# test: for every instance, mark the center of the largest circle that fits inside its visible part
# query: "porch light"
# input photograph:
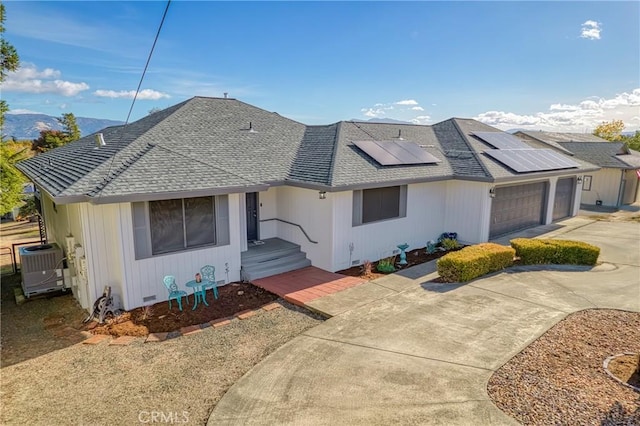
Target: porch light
(579, 180)
(492, 192)
(322, 195)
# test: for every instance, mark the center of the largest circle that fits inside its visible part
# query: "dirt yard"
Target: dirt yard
(48, 377)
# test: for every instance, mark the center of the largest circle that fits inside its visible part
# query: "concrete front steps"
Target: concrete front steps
(271, 257)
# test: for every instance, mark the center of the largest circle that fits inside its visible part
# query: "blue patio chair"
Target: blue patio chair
(208, 273)
(174, 292)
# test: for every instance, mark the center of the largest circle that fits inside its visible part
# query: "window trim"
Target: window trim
(358, 205)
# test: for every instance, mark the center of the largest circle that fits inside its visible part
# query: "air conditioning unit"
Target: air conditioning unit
(41, 268)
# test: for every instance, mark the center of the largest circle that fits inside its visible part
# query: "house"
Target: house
(217, 181)
(615, 184)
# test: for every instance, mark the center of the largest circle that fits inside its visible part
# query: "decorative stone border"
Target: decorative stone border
(605, 365)
(185, 331)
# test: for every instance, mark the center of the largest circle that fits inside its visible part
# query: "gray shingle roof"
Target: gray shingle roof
(463, 158)
(314, 157)
(561, 137)
(496, 169)
(353, 167)
(603, 154)
(212, 146)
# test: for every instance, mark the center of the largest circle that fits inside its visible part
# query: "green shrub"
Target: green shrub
(558, 252)
(386, 265)
(474, 261)
(450, 244)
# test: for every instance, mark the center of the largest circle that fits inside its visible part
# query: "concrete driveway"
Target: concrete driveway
(424, 355)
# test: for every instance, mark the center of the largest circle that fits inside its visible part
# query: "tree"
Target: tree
(632, 142)
(9, 61)
(610, 130)
(69, 126)
(49, 139)
(11, 179)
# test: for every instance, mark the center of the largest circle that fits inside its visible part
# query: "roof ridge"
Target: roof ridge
(475, 154)
(121, 136)
(122, 167)
(334, 151)
(269, 112)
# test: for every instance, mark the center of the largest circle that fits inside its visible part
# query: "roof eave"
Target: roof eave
(552, 173)
(155, 196)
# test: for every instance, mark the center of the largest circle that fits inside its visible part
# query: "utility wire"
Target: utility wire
(133, 102)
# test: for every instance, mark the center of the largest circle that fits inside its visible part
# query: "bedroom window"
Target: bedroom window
(168, 226)
(373, 205)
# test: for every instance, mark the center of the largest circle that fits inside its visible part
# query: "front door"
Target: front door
(252, 216)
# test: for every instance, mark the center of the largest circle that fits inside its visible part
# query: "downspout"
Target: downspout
(621, 189)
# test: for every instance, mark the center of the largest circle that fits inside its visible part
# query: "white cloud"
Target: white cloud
(373, 112)
(421, 119)
(28, 79)
(146, 94)
(22, 111)
(581, 117)
(403, 110)
(591, 30)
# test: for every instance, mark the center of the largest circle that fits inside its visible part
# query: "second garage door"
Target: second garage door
(517, 207)
(564, 198)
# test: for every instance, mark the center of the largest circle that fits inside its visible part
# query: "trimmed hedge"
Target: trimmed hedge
(474, 261)
(558, 252)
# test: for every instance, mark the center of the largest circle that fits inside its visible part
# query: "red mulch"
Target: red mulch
(232, 298)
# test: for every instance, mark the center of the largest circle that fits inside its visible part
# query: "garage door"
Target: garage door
(517, 207)
(564, 198)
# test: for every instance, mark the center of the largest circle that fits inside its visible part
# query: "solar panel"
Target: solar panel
(531, 160)
(501, 140)
(394, 153)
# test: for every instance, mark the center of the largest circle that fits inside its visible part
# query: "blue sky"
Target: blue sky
(563, 66)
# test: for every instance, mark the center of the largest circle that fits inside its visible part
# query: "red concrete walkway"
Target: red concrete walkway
(307, 284)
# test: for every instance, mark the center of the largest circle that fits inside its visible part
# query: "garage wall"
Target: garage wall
(630, 187)
(605, 186)
(468, 207)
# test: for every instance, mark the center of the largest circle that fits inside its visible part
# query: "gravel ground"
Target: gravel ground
(181, 378)
(559, 379)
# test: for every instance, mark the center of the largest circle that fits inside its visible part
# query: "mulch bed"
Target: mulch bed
(560, 378)
(232, 299)
(414, 257)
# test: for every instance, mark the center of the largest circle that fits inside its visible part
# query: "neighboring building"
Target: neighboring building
(198, 183)
(616, 183)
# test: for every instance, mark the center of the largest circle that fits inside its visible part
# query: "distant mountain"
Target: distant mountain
(381, 120)
(28, 126)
